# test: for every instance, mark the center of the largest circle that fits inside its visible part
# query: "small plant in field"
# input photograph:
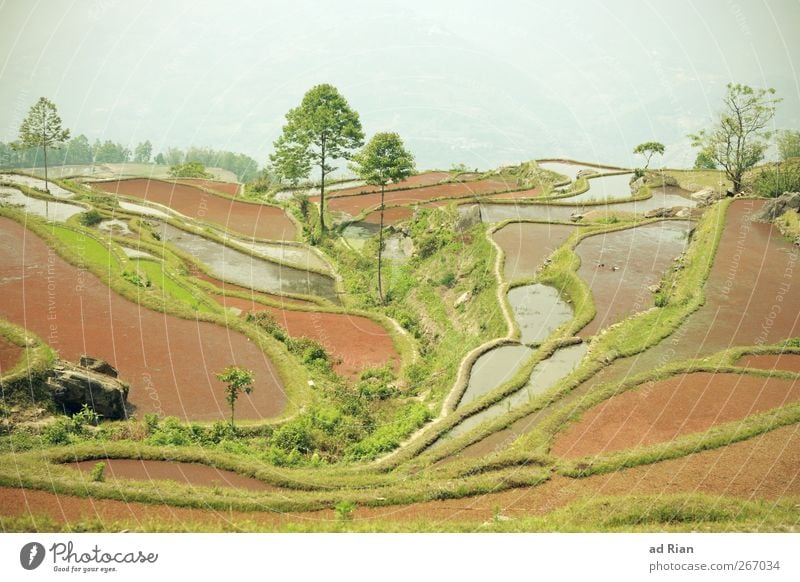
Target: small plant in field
(344, 510)
(237, 380)
(98, 473)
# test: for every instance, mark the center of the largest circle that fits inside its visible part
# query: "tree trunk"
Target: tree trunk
(322, 193)
(46, 188)
(44, 144)
(232, 416)
(380, 249)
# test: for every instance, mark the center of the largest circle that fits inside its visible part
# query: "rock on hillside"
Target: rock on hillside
(778, 206)
(93, 383)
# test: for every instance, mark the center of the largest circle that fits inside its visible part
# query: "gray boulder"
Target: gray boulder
(468, 218)
(73, 386)
(778, 206)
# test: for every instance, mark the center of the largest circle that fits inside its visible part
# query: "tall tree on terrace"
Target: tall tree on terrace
(42, 129)
(322, 129)
(384, 159)
(737, 141)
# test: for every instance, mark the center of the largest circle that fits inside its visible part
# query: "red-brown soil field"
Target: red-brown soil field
(353, 205)
(229, 188)
(664, 410)
(251, 220)
(187, 473)
(169, 362)
(789, 362)
(424, 179)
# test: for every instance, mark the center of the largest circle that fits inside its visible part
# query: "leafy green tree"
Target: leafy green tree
(143, 152)
(42, 129)
(384, 159)
(704, 162)
(789, 144)
(322, 129)
(737, 140)
(160, 160)
(648, 149)
(237, 380)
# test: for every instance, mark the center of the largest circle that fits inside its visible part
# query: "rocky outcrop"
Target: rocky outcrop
(94, 384)
(706, 196)
(98, 365)
(468, 218)
(776, 207)
(663, 212)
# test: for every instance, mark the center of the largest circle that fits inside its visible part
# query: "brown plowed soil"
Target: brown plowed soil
(251, 220)
(620, 266)
(229, 188)
(9, 355)
(188, 473)
(355, 343)
(764, 467)
(426, 179)
(169, 362)
(390, 215)
(680, 405)
(789, 362)
(527, 245)
(353, 205)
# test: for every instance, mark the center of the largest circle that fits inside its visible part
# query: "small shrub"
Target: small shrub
(344, 510)
(136, 279)
(97, 474)
(90, 218)
(448, 280)
(151, 421)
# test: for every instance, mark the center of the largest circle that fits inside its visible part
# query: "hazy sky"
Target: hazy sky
(478, 82)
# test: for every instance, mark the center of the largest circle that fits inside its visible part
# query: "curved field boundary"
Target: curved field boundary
(400, 337)
(293, 376)
(591, 164)
(210, 231)
(603, 347)
(698, 401)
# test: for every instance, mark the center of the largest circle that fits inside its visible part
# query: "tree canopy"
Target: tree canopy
(321, 129)
(738, 139)
(648, 149)
(384, 159)
(237, 380)
(41, 128)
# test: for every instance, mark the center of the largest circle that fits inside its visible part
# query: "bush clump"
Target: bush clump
(90, 218)
(774, 180)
